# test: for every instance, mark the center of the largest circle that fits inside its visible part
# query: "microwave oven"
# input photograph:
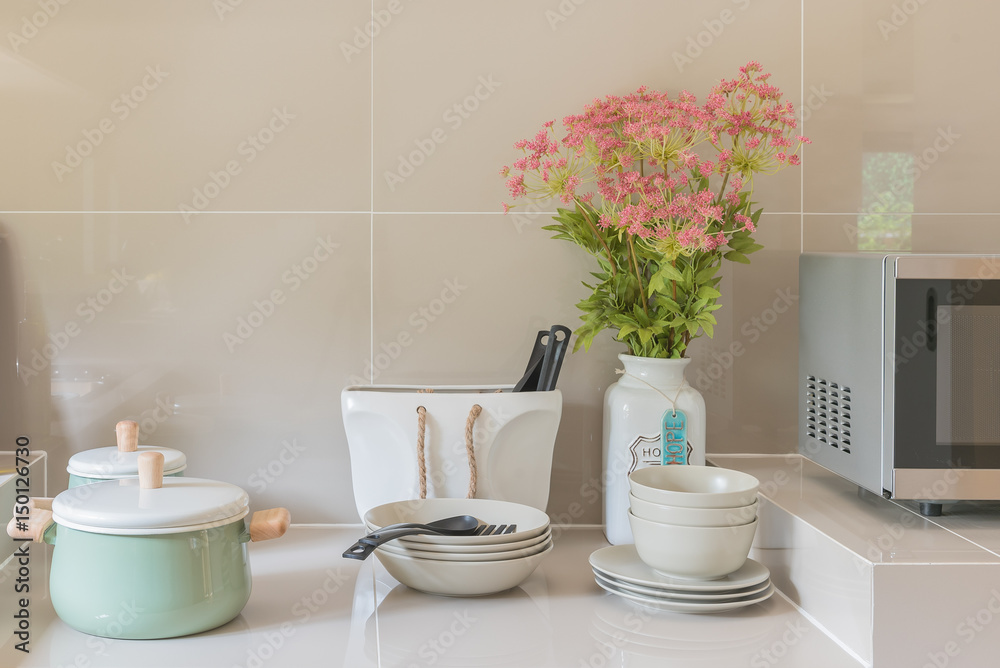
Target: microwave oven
(899, 373)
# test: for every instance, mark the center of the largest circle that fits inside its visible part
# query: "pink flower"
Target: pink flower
(641, 160)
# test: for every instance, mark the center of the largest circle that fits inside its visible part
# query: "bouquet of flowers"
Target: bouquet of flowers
(659, 191)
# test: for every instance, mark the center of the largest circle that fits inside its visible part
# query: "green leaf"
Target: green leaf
(705, 274)
(667, 304)
(708, 292)
(670, 272)
(625, 330)
(656, 283)
(736, 256)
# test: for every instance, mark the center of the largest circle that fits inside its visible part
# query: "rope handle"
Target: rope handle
(470, 451)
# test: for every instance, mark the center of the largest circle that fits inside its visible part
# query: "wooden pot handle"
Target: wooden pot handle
(150, 470)
(268, 524)
(35, 503)
(32, 529)
(40, 503)
(128, 435)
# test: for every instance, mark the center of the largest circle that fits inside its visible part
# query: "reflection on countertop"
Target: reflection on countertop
(310, 607)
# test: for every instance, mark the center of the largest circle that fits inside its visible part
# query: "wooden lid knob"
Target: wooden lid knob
(151, 470)
(128, 435)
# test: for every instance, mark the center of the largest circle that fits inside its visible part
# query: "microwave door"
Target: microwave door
(947, 374)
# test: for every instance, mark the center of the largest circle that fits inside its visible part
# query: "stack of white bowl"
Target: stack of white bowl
(694, 522)
(462, 565)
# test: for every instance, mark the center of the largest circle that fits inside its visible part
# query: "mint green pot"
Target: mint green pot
(77, 480)
(152, 586)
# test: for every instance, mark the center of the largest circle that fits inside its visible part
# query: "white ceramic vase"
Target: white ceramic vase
(638, 416)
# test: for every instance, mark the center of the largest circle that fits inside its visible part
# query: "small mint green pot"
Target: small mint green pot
(155, 586)
(77, 480)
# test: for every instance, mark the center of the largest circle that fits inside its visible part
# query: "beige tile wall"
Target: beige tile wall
(270, 162)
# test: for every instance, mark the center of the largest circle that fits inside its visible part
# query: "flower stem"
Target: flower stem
(722, 190)
(638, 274)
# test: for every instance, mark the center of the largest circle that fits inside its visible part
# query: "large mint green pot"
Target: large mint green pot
(150, 557)
(156, 586)
(77, 480)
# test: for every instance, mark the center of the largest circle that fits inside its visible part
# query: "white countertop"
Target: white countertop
(311, 607)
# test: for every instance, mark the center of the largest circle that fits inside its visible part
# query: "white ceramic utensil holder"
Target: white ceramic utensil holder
(513, 438)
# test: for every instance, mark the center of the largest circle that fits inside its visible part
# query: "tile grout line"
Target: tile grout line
(951, 214)
(371, 215)
(802, 106)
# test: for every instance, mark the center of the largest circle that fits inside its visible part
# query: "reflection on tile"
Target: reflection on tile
(880, 69)
(961, 633)
(228, 339)
(299, 613)
(747, 371)
(443, 317)
(407, 622)
(926, 233)
(631, 635)
(117, 105)
(956, 234)
(441, 118)
(560, 617)
(837, 233)
(306, 610)
(977, 521)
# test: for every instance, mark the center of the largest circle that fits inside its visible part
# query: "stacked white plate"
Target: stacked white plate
(462, 565)
(619, 570)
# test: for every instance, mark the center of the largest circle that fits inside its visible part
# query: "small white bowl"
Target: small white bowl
(460, 578)
(692, 517)
(522, 553)
(530, 522)
(694, 486)
(693, 553)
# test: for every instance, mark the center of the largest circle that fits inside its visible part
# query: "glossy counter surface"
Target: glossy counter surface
(311, 607)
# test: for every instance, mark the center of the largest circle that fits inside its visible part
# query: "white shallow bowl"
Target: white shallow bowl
(496, 553)
(695, 553)
(464, 549)
(465, 556)
(692, 517)
(530, 522)
(694, 486)
(460, 578)
(467, 549)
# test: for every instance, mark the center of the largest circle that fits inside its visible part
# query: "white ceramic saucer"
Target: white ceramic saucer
(622, 562)
(684, 606)
(693, 597)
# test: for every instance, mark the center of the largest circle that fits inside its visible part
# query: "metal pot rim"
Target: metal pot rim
(158, 531)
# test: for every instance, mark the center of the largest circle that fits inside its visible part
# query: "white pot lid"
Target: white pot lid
(120, 507)
(110, 463)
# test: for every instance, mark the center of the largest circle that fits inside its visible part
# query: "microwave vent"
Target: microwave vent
(828, 413)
